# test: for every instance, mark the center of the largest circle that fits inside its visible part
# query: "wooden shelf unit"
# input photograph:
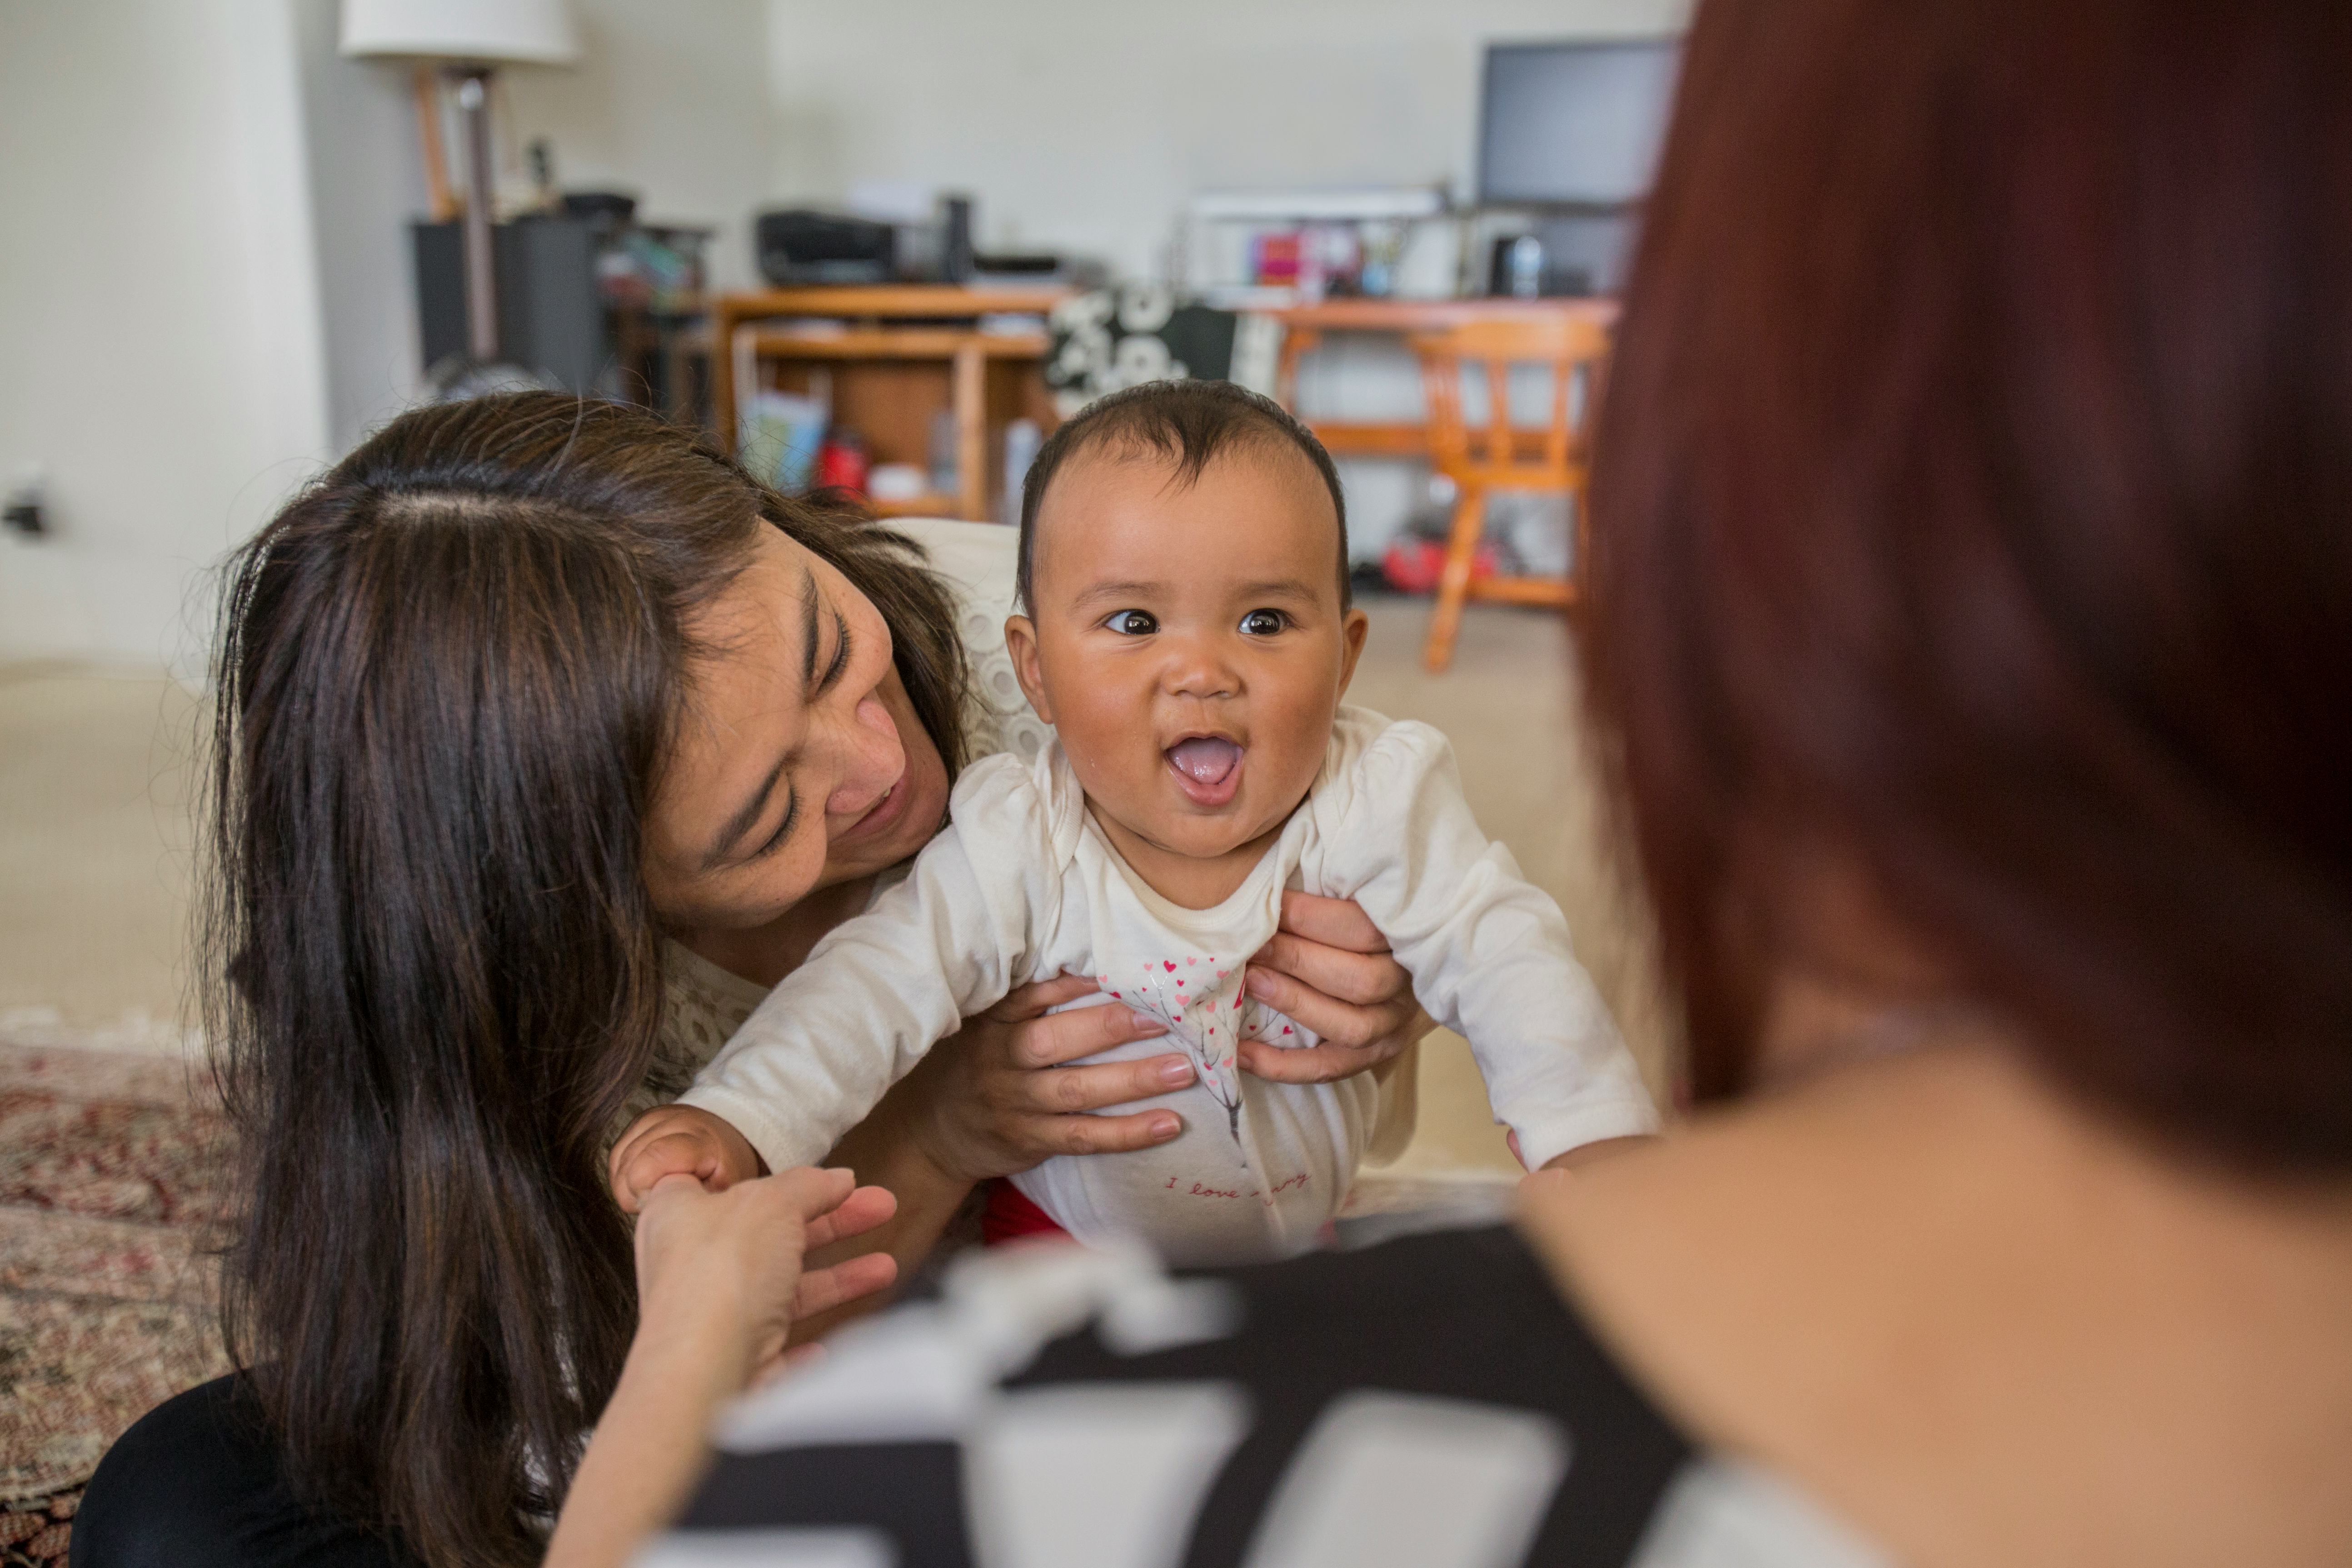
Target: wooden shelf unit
(906, 353)
(897, 342)
(931, 503)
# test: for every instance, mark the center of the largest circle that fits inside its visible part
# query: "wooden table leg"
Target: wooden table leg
(1296, 341)
(438, 200)
(723, 321)
(971, 401)
(1454, 584)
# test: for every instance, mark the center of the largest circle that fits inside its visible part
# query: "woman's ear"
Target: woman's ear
(1021, 642)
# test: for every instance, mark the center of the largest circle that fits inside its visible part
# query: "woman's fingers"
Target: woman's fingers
(810, 1190)
(1338, 1021)
(1025, 1002)
(860, 1212)
(1329, 968)
(675, 1186)
(1312, 1064)
(1059, 1037)
(1064, 1091)
(998, 1097)
(1363, 979)
(1333, 922)
(1050, 1135)
(823, 1290)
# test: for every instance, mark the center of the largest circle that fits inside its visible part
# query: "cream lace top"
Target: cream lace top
(705, 1003)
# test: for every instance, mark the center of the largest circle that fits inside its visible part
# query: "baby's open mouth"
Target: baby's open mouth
(1207, 767)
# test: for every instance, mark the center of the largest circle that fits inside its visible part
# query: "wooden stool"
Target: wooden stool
(1554, 456)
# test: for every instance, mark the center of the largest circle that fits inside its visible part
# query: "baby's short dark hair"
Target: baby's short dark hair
(1186, 422)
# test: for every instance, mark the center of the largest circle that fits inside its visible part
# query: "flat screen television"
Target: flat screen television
(1573, 124)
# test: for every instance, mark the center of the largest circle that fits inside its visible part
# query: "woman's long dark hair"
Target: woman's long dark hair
(1974, 500)
(449, 673)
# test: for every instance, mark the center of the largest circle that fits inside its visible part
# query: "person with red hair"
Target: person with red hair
(1972, 633)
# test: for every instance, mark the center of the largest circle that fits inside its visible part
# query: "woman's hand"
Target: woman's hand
(1328, 967)
(996, 1098)
(719, 1283)
(729, 1262)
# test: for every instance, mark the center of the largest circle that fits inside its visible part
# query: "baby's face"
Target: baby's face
(1188, 642)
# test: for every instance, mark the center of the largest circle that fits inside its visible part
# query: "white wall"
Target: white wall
(1084, 124)
(366, 183)
(160, 346)
(669, 101)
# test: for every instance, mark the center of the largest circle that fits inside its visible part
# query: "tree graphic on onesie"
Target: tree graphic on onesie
(1201, 1000)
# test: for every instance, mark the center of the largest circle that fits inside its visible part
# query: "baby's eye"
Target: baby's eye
(1264, 623)
(1132, 623)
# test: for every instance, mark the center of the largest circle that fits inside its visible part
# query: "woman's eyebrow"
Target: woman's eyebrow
(808, 635)
(746, 816)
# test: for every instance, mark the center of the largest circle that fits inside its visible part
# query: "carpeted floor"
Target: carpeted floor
(112, 1170)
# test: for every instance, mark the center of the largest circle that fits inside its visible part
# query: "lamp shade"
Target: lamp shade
(476, 32)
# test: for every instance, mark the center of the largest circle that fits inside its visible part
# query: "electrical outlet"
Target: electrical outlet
(25, 511)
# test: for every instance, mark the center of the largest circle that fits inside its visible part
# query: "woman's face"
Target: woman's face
(799, 762)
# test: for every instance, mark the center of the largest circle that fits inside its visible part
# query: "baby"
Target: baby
(1184, 564)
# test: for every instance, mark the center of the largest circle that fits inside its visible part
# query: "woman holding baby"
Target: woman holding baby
(548, 740)
(1973, 619)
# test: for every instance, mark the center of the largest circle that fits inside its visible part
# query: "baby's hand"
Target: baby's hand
(680, 1141)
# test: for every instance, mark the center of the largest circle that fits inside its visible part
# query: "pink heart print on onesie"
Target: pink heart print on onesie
(1201, 1000)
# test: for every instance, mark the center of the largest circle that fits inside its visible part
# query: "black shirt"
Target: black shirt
(1433, 1394)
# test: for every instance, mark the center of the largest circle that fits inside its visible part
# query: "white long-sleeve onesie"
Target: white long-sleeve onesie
(1023, 886)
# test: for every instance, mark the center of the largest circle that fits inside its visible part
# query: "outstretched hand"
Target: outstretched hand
(734, 1257)
(719, 1281)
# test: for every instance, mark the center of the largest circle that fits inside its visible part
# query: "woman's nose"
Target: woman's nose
(871, 759)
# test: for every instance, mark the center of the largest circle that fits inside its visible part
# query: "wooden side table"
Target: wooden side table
(904, 352)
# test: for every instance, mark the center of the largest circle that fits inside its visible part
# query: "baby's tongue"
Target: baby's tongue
(1207, 760)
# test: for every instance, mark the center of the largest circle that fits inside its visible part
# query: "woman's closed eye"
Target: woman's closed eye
(1132, 623)
(783, 832)
(841, 650)
(1264, 623)
(825, 681)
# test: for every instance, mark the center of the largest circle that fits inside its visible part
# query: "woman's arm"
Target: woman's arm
(720, 1282)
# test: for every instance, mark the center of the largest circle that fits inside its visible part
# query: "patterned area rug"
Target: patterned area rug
(112, 1171)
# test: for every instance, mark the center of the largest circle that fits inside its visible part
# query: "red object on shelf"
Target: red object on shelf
(1276, 258)
(842, 462)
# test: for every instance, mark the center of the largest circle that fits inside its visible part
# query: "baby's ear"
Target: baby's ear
(1021, 642)
(1353, 630)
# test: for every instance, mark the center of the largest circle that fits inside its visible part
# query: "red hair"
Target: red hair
(1975, 499)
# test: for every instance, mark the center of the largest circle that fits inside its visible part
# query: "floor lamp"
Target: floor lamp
(467, 41)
